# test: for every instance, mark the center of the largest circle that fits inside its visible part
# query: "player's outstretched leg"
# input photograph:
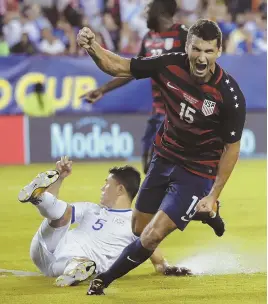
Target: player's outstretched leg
(77, 270)
(216, 222)
(32, 191)
(136, 253)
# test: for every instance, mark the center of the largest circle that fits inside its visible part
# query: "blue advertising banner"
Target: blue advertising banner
(66, 78)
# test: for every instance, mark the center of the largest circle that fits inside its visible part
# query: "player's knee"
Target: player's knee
(151, 237)
(64, 220)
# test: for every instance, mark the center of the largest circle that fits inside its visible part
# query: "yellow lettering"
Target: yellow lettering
(6, 93)
(66, 94)
(82, 85)
(24, 83)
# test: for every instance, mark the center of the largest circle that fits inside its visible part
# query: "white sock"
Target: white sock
(51, 207)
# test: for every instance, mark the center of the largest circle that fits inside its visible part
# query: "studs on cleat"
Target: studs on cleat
(39, 185)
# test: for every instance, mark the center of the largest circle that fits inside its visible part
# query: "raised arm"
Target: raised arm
(117, 66)
(107, 61)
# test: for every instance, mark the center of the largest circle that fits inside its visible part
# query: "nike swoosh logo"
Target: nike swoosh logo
(185, 219)
(171, 86)
(132, 260)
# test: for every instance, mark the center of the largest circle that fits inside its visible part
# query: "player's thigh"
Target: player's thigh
(154, 187)
(48, 237)
(139, 221)
(182, 197)
(159, 227)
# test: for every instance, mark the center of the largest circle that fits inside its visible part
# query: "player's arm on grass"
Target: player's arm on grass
(233, 115)
(159, 262)
(161, 265)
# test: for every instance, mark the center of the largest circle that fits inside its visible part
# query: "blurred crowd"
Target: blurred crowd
(50, 26)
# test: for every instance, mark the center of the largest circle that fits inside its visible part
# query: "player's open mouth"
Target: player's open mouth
(200, 67)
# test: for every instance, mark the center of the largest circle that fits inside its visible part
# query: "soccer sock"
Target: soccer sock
(50, 207)
(131, 257)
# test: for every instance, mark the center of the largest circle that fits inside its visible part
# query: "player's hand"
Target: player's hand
(85, 38)
(92, 96)
(64, 166)
(177, 271)
(206, 205)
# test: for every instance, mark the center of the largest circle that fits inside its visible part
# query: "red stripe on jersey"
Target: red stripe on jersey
(207, 141)
(211, 163)
(171, 153)
(177, 43)
(178, 91)
(170, 33)
(170, 140)
(220, 76)
(181, 73)
(200, 174)
(214, 92)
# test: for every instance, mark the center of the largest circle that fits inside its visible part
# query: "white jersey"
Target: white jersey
(101, 234)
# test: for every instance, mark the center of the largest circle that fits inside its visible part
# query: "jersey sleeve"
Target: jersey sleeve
(234, 111)
(146, 67)
(80, 209)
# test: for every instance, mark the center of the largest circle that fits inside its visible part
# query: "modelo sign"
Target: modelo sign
(85, 138)
(104, 140)
(113, 137)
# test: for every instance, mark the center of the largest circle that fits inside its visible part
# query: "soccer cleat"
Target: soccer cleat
(32, 191)
(96, 287)
(216, 222)
(77, 270)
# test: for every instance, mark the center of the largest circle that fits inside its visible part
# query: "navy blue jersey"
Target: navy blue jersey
(200, 118)
(155, 44)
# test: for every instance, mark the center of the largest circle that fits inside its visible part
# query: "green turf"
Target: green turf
(244, 244)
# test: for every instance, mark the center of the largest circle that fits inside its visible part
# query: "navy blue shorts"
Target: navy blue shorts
(153, 124)
(172, 189)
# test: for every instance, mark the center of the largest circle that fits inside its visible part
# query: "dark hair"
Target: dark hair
(207, 30)
(129, 177)
(167, 6)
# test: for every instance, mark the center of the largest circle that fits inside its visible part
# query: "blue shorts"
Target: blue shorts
(153, 124)
(172, 189)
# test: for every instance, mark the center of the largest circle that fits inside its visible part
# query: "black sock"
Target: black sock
(131, 257)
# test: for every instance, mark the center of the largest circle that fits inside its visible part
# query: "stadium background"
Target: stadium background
(99, 136)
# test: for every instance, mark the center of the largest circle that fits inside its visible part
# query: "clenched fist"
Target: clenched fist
(85, 38)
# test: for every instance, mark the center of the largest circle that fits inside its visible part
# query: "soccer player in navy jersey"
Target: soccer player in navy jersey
(196, 148)
(164, 36)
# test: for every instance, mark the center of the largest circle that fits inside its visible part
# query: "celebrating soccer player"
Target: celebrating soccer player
(164, 36)
(196, 148)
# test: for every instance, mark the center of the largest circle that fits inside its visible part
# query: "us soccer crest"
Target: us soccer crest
(169, 43)
(208, 107)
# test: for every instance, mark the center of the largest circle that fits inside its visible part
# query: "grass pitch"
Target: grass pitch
(234, 266)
